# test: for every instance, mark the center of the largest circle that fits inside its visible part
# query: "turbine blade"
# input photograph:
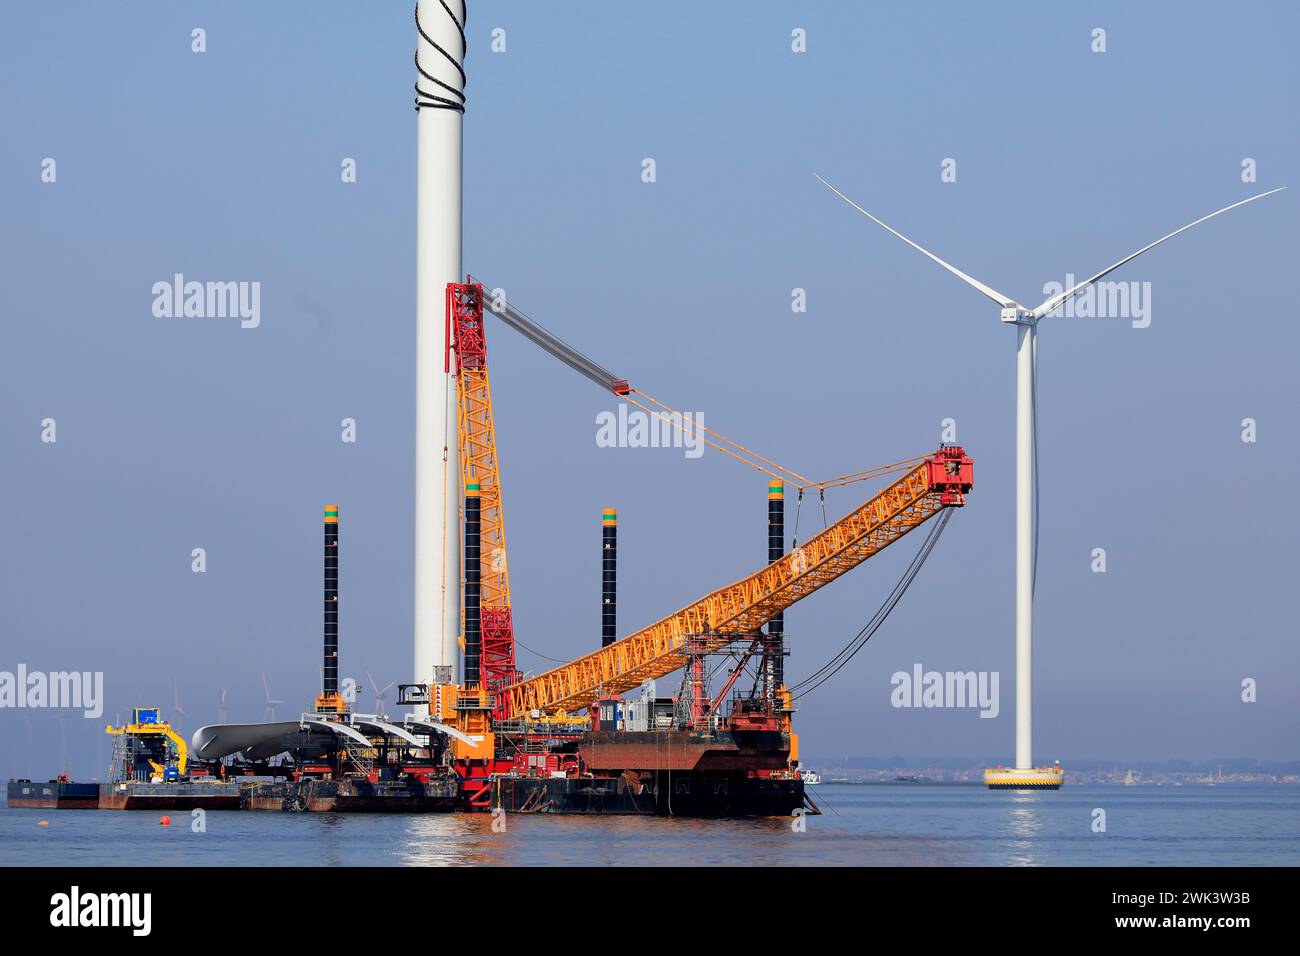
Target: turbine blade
(1062, 297)
(993, 294)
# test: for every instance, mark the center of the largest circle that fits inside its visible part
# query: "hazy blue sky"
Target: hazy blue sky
(182, 433)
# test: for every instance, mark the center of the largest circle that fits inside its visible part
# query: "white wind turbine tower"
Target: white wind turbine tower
(176, 700)
(271, 704)
(1026, 322)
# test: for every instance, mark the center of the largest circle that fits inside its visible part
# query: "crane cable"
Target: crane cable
(552, 344)
(544, 657)
(850, 650)
(756, 461)
(673, 415)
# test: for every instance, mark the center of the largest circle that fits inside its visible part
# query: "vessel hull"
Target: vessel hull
(53, 795)
(355, 796)
(658, 794)
(169, 796)
(721, 752)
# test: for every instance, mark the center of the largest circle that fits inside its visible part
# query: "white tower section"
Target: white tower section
(440, 82)
(1025, 451)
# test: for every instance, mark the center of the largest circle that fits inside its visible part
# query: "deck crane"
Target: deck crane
(467, 343)
(736, 612)
(728, 615)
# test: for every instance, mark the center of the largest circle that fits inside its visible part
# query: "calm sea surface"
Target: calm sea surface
(883, 825)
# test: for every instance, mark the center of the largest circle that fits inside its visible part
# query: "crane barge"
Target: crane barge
(570, 739)
(591, 735)
(480, 734)
(567, 740)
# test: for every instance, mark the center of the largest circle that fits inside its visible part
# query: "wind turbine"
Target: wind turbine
(176, 699)
(1026, 323)
(63, 748)
(223, 712)
(269, 716)
(378, 691)
(27, 722)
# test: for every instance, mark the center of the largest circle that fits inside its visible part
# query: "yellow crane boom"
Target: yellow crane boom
(737, 611)
(467, 341)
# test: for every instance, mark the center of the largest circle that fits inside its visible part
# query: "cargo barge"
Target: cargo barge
(441, 795)
(60, 794)
(660, 794)
(145, 795)
(567, 742)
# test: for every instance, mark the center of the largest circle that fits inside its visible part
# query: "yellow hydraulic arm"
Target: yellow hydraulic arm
(737, 611)
(140, 728)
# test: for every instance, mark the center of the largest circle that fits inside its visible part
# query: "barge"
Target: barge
(146, 795)
(659, 794)
(437, 795)
(60, 794)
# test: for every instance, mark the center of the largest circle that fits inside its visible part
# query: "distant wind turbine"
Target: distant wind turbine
(271, 704)
(27, 722)
(176, 700)
(64, 763)
(378, 691)
(1026, 322)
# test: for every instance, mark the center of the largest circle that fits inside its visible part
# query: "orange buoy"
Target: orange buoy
(43, 823)
(166, 821)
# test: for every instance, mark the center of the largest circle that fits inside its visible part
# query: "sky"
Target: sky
(997, 135)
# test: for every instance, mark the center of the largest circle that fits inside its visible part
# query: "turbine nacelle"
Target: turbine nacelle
(1018, 315)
